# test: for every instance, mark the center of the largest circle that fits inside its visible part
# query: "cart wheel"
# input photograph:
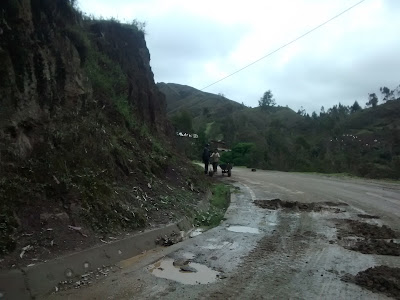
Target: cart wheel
(229, 173)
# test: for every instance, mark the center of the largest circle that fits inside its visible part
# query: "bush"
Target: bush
(218, 205)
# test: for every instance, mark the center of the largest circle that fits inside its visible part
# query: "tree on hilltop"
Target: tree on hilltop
(267, 100)
(355, 107)
(387, 94)
(372, 100)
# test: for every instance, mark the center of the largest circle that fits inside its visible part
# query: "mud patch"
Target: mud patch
(275, 204)
(376, 247)
(380, 279)
(365, 230)
(367, 216)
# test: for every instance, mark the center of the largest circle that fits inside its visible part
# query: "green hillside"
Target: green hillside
(364, 142)
(183, 97)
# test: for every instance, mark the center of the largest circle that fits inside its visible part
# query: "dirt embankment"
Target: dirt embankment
(85, 144)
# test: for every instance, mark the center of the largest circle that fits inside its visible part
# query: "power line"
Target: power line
(285, 45)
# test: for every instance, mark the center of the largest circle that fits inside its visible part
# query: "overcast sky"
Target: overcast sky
(198, 42)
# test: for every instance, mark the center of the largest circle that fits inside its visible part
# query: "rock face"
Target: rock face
(44, 47)
(81, 120)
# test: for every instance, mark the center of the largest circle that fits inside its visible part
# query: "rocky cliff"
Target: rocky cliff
(84, 137)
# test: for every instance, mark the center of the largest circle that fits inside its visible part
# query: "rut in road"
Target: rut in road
(269, 267)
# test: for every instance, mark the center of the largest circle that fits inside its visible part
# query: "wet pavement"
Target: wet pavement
(260, 253)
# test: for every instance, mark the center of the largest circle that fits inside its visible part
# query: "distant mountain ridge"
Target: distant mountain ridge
(183, 97)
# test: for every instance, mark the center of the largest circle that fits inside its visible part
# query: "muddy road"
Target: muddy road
(286, 235)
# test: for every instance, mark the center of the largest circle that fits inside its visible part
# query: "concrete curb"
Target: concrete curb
(28, 283)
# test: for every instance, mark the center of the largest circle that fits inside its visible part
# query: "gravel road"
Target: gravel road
(297, 247)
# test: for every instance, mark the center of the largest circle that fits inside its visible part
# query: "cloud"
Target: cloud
(197, 43)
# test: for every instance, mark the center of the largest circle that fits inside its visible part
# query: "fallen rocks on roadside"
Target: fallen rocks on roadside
(181, 262)
(187, 268)
(170, 240)
(85, 279)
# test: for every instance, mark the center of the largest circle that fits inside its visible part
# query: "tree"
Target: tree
(387, 93)
(182, 121)
(373, 100)
(302, 111)
(314, 115)
(267, 100)
(355, 107)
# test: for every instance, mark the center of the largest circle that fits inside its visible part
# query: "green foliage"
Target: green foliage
(387, 93)
(139, 26)
(241, 154)
(80, 40)
(182, 121)
(372, 100)
(218, 205)
(55, 9)
(267, 100)
(109, 81)
(355, 107)
(340, 139)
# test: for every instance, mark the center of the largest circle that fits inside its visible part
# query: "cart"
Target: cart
(226, 169)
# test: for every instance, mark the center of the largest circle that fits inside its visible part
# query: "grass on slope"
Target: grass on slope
(218, 205)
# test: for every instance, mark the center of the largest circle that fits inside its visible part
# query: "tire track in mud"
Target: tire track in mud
(269, 268)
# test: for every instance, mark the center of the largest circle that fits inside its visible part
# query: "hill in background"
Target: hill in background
(343, 139)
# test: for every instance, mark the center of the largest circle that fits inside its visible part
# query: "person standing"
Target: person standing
(215, 160)
(206, 158)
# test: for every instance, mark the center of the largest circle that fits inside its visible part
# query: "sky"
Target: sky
(197, 43)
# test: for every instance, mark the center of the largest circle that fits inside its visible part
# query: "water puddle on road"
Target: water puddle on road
(165, 269)
(243, 229)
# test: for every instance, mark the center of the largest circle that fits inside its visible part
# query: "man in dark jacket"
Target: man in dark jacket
(206, 158)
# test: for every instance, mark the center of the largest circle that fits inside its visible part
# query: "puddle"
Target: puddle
(165, 269)
(243, 229)
(196, 232)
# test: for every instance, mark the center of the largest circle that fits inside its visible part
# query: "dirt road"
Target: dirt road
(275, 249)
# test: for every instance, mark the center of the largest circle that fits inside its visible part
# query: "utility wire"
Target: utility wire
(285, 45)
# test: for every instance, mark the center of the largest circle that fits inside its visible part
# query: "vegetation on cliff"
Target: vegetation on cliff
(85, 143)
